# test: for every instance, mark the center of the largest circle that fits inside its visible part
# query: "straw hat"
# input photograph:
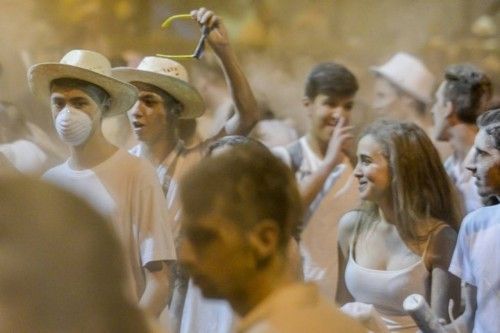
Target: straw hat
(88, 66)
(169, 76)
(409, 74)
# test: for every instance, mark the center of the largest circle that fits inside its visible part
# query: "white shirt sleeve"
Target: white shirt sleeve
(461, 265)
(156, 241)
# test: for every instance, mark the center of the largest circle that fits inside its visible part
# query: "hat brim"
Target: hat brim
(193, 105)
(123, 95)
(380, 71)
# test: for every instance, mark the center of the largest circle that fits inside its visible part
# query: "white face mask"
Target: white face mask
(73, 126)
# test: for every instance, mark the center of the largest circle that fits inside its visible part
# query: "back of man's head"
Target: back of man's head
(61, 266)
(469, 90)
(252, 185)
(330, 79)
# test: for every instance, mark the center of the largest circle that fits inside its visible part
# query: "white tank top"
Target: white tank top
(387, 289)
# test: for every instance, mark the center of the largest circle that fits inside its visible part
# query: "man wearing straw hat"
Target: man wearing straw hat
(165, 96)
(121, 187)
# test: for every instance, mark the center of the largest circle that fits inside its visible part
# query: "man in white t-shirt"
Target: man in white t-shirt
(477, 252)
(165, 97)
(119, 186)
(239, 210)
(460, 100)
(323, 171)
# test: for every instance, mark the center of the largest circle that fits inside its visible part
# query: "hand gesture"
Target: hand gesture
(339, 141)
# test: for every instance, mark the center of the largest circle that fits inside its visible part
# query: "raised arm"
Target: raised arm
(246, 111)
(313, 185)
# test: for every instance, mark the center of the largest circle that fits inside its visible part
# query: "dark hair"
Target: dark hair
(172, 105)
(468, 89)
(98, 94)
(233, 141)
(330, 78)
(248, 184)
(490, 122)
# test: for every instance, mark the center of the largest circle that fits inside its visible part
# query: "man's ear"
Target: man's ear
(264, 239)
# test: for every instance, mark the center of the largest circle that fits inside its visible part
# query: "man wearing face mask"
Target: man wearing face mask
(121, 187)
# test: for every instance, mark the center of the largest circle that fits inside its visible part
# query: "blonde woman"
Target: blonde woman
(401, 240)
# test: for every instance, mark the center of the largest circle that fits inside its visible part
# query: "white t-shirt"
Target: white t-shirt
(199, 314)
(318, 245)
(465, 184)
(476, 260)
(26, 156)
(125, 189)
(297, 308)
(202, 315)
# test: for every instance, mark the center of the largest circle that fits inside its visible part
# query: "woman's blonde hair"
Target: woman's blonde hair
(420, 187)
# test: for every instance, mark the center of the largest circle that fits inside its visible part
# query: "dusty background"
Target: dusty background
(278, 40)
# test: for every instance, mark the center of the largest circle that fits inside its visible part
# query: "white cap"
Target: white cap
(410, 75)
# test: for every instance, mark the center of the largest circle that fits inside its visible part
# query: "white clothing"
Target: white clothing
(387, 290)
(125, 189)
(464, 182)
(297, 308)
(202, 315)
(25, 156)
(318, 245)
(274, 132)
(476, 260)
(199, 314)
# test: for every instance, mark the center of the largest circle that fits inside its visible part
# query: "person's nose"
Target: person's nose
(357, 171)
(137, 110)
(470, 162)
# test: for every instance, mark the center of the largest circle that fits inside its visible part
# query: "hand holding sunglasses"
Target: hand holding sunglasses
(212, 30)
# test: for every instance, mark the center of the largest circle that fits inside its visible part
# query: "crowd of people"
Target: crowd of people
(220, 232)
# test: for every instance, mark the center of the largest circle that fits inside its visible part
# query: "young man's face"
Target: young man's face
(325, 112)
(440, 113)
(386, 100)
(485, 165)
(148, 117)
(216, 254)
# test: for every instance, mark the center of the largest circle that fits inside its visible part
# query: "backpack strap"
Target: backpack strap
(296, 155)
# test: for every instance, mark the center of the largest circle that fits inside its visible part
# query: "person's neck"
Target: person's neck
(462, 139)
(386, 211)
(319, 147)
(92, 153)
(424, 121)
(261, 286)
(157, 150)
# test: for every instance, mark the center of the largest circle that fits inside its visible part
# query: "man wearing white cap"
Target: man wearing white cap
(165, 96)
(121, 187)
(403, 89)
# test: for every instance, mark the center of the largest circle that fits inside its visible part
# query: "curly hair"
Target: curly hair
(469, 90)
(490, 121)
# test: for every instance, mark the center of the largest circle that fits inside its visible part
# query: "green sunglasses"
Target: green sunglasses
(200, 48)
